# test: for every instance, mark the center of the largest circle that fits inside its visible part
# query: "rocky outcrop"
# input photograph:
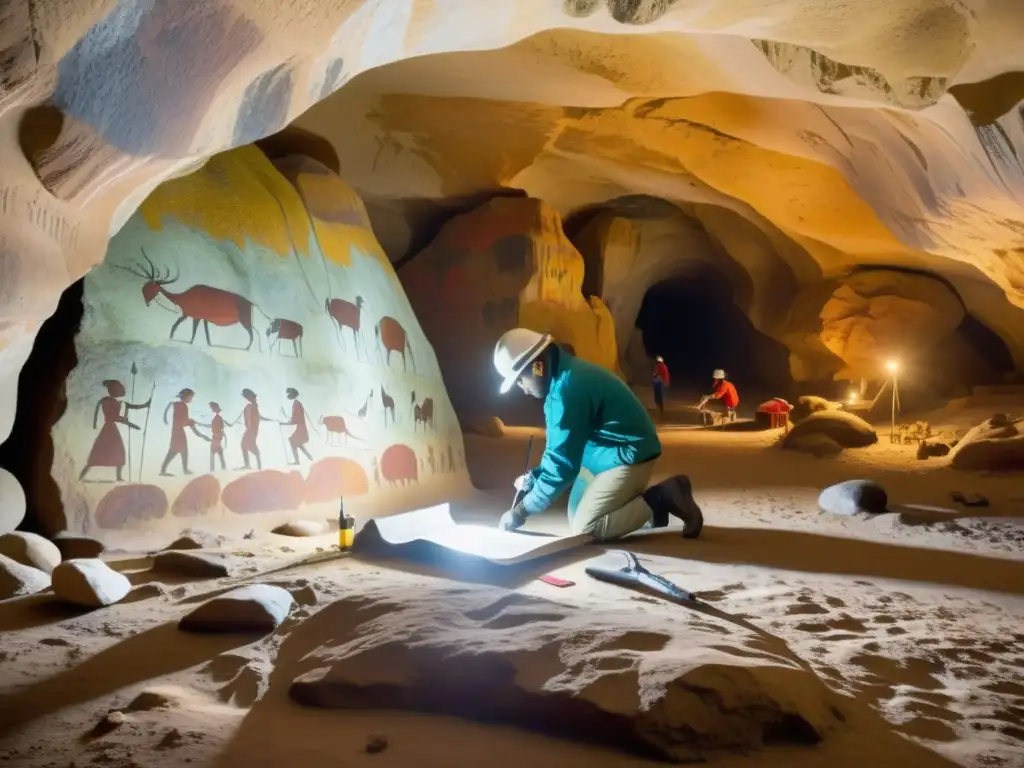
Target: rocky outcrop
(995, 445)
(505, 264)
(846, 429)
(491, 655)
(246, 347)
(876, 315)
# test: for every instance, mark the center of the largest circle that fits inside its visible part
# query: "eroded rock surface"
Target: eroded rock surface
(30, 549)
(17, 579)
(255, 608)
(846, 429)
(995, 445)
(491, 655)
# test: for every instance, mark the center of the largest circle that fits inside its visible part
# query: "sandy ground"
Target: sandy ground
(919, 614)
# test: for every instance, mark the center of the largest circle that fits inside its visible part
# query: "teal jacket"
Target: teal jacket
(593, 421)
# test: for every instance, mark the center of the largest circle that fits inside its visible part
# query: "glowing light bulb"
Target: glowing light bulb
(892, 366)
(853, 398)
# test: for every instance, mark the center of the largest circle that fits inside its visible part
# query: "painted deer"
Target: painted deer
(200, 303)
(346, 315)
(285, 330)
(336, 429)
(424, 413)
(366, 406)
(388, 403)
(391, 337)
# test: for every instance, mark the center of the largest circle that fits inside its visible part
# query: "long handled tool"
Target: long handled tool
(635, 576)
(519, 492)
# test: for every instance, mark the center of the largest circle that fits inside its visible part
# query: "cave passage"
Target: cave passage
(692, 321)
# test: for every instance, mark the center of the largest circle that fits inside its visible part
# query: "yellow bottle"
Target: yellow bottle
(346, 528)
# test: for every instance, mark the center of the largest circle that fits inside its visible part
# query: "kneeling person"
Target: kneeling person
(600, 441)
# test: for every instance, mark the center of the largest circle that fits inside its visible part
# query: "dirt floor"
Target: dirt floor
(919, 614)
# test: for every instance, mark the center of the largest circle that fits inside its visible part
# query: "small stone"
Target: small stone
(196, 539)
(90, 583)
(255, 608)
(854, 497)
(17, 579)
(190, 564)
(116, 717)
(31, 550)
(147, 701)
(170, 740)
(77, 547)
(300, 528)
(376, 743)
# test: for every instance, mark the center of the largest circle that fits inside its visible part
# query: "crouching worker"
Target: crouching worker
(600, 441)
(724, 391)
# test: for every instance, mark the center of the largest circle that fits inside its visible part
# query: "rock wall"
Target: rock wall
(505, 264)
(246, 350)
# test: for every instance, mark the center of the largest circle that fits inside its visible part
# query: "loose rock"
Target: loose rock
(926, 450)
(195, 539)
(90, 583)
(31, 550)
(995, 445)
(190, 564)
(17, 579)
(376, 743)
(256, 608)
(854, 497)
(12, 502)
(846, 429)
(300, 528)
(77, 547)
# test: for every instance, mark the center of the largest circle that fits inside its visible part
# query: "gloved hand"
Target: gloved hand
(703, 401)
(513, 519)
(523, 483)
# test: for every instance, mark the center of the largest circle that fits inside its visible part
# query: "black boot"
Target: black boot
(674, 497)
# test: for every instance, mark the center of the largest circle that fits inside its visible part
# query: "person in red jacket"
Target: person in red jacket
(724, 391)
(659, 381)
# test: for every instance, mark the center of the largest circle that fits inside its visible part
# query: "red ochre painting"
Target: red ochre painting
(246, 348)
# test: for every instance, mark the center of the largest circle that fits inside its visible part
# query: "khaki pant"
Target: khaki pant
(610, 505)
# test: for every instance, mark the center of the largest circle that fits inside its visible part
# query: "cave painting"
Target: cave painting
(108, 448)
(200, 303)
(300, 435)
(309, 416)
(282, 329)
(180, 421)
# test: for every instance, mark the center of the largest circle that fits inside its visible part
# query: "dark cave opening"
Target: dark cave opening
(692, 321)
(28, 451)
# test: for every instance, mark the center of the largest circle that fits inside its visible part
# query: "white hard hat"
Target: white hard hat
(718, 374)
(515, 351)
(660, 359)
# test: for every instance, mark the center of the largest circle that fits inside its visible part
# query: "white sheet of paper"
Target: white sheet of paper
(435, 524)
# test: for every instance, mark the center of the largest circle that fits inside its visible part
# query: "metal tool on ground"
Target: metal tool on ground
(529, 450)
(635, 576)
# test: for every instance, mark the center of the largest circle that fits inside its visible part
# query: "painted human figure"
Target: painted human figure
(180, 421)
(251, 418)
(217, 436)
(451, 459)
(300, 436)
(108, 448)
(431, 461)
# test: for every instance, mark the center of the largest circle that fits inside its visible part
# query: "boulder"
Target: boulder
(190, 565)
(995, 445)
(255, 608)
(854, 497)
(31, 550)
(808, 404)
(17, 579)
(815, 444)
(12, 502)
(846, 429)
(193, 539)
(300, 528)
(77, 547)
(624, 676)
(89, 583)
